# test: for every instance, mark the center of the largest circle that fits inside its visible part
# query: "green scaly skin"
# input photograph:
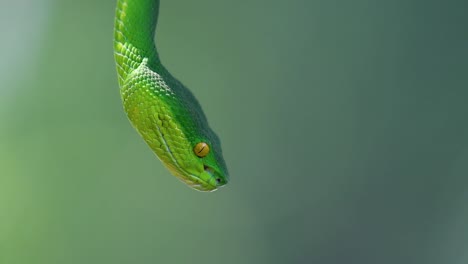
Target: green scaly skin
(162, 110)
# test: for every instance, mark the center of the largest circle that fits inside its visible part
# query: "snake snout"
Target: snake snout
(216, 179)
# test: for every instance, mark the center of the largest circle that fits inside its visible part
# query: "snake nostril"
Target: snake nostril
(218, 180)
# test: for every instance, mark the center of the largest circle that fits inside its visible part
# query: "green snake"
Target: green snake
(163, 111)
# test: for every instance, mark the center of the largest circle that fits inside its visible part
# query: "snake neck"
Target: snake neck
(135, 25)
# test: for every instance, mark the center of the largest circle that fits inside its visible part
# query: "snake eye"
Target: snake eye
(201, 149)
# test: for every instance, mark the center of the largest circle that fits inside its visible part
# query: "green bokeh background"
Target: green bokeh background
(344, 127)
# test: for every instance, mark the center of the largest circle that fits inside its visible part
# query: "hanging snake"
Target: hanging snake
(163, 111)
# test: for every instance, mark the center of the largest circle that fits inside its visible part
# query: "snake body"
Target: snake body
(163, 111)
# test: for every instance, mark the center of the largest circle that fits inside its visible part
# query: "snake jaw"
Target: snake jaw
(212, 183)
(199, 183)
(193, 181)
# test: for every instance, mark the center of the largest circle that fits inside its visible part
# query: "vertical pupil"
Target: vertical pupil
(201, 149)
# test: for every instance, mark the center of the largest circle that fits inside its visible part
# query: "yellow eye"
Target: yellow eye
(201, 149)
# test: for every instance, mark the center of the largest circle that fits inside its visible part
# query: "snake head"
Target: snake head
(194, 157)
(171, 121)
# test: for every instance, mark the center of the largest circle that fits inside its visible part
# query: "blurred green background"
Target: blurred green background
(343, 123)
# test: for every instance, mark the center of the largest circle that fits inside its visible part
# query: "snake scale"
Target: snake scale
(163, 111)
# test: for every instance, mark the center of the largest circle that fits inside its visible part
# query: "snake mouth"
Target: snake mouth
(205, 184)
